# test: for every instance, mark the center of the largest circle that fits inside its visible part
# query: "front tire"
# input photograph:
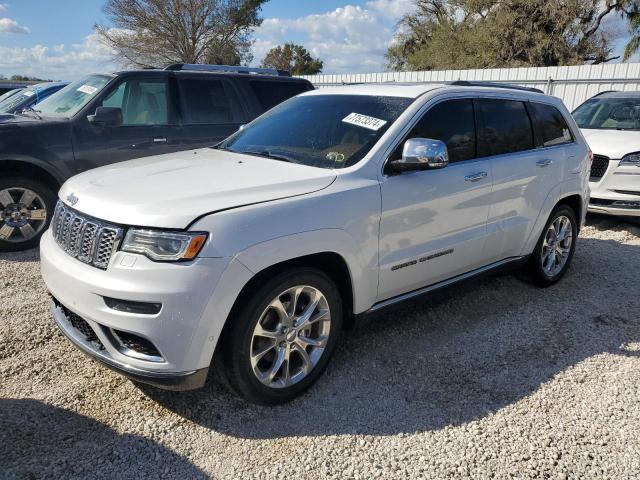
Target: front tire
(279, 342)
(554, 251)
(26, 206)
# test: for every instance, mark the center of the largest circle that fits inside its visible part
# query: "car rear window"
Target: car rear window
(271, 94)
(209, 101)
(549, 124)
(506, 127)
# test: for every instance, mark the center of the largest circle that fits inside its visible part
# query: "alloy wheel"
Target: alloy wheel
(23, 214)
(290, 336)
(556, 246)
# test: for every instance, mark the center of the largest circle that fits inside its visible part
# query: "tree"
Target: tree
(633, 15)
(452, 34)
(159, 32)
(294, 58)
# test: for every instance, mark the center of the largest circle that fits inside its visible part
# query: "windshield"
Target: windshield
(609, 114)
(14, 102)
(8, 94)
(328, 131)
(66, 102)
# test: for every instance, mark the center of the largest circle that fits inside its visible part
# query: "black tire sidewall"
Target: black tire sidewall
(237, 340)
(45, 192)
(536, 260)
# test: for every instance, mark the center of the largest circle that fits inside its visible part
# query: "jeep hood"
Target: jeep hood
(614, 144)
(172, 190)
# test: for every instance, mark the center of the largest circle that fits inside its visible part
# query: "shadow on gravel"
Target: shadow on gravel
(32, 255)
(83, 448)
(451, 359)
(603, 223)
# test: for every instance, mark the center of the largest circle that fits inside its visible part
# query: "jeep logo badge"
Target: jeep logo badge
(72, 199)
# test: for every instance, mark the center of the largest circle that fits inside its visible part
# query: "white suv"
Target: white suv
(610, 122)
(336, 203)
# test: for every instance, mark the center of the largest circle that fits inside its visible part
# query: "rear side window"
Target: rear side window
(453, 123)
(549, 124)
(506, 127)
(209, 101)
(271, 94)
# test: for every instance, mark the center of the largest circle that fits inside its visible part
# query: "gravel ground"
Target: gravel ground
(494, 379)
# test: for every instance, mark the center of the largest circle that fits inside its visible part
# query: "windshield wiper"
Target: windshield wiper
(268, 154)
(35, 112)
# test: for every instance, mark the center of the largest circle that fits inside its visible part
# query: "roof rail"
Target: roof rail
(467, 83)
(199, 67)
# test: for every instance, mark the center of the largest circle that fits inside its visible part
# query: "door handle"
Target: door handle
(544, 163)
(160, 140)
(475, 177)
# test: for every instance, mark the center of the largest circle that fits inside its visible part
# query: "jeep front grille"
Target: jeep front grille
(90, 241)
(598, 167)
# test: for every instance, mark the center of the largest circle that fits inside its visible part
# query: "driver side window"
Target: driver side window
(143, 101)
(452, 122)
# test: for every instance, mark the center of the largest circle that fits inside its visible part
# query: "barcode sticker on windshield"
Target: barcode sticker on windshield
(88, 89)
(372, 123)
(29, 93)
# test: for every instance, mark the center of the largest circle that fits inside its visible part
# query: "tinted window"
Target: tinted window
(328, 131)
(143, 101)
(506, 127)
(209, 101)
(453, 123)
(550, 125)
(609, 113)
(271, 94)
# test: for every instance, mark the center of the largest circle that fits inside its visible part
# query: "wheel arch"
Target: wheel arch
(32, 170)
(330, 263)
(575, 203)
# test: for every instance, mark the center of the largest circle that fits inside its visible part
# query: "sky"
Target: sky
(55, 39)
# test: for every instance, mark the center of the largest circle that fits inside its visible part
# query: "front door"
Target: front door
(148, 124)
(433, 224)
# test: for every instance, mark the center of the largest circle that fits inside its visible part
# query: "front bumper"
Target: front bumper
(617, 192)
(185, 330)
(167, 380)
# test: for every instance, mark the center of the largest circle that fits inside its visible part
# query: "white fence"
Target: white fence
(572, 84)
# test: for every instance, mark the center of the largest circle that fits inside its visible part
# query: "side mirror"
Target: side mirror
(106, 117)
(421, 154)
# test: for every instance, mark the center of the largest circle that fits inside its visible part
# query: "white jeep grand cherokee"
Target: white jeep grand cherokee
(336, 203)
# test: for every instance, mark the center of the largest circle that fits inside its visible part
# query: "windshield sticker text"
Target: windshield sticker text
(88, 89)
(365, 121)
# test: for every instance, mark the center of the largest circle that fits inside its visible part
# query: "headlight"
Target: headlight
(631, 159)
(164, 246)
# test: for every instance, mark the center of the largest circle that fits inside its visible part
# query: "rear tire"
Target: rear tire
(554, 251)
(26, 206)
(279, 342)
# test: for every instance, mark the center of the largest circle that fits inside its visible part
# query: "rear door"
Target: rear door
(524, 172)
(149, 125)
(271, 92)
(210, 107)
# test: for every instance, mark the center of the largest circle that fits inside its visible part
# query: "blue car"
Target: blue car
(30, 96)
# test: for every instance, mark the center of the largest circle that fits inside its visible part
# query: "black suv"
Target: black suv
(102, 119)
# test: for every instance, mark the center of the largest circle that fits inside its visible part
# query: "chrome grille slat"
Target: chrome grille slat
(90, 241)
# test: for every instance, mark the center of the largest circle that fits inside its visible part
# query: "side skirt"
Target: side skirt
(506, 264)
